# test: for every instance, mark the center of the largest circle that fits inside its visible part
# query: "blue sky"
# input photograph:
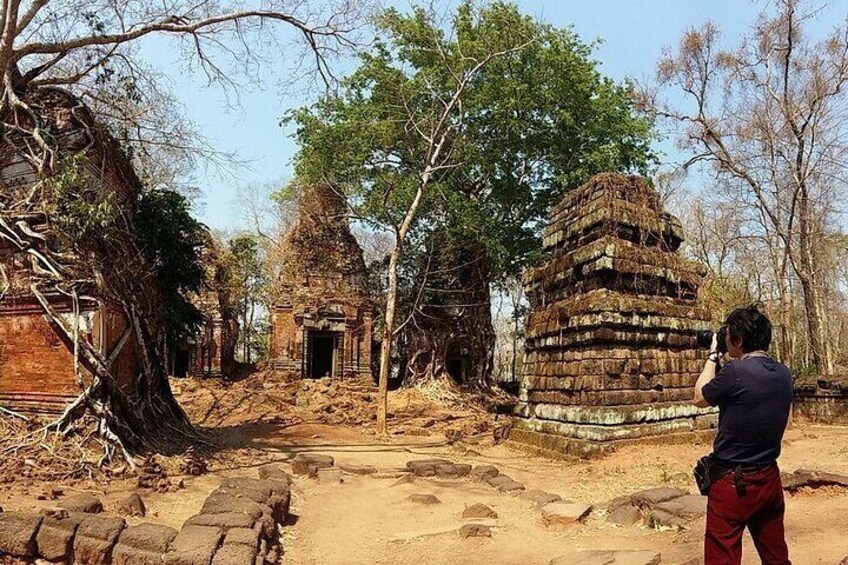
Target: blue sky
(633, 34)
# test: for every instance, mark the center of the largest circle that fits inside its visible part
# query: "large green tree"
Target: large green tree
(472, 128)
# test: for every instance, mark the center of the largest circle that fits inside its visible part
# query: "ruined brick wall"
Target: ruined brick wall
(610, 348)
(826, 404)
(36, 369)
(321, 289)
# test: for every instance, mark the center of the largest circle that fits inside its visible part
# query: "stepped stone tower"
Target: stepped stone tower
(610, 349)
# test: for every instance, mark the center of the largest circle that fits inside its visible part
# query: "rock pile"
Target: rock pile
(657, 507)
(238, 525)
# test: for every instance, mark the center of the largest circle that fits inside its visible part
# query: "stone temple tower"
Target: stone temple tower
(610, 350)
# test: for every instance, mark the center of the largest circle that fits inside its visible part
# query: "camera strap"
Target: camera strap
(739, 481)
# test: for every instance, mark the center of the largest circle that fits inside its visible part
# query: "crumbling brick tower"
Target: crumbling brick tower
(610, 349)
(322, 318)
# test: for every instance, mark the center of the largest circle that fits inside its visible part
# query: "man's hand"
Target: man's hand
(707, 374)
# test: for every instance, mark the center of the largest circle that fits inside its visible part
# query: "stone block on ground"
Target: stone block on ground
(224, 503)
(235, 554)
(242, 536)
(194, 545)
(81, 503)
(309, 463)
(358, 469)
(483, 472)
(224, 520)
(132, 505)
(504, 483)
(813, 479)
(625, 515)
(423, 498)
(56, 535)
(655, 518)
(17, 533)
(330, 476)
(95, 538)
(611, 557)
(479, 510)
(143, 544)
(475, 531)
(275, 472)
(498, 480)
(686, 506)
(257, 490)
(652, 496)
(539, 497)
(446, 472)
(426, 467)
(564, 513)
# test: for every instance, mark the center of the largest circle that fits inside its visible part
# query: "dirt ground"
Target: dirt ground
(366, 520)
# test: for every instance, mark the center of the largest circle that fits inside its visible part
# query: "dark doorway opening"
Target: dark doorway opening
(322, 351)
(457, 368)
(181, 361)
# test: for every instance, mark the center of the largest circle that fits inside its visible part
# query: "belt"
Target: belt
(739, 469)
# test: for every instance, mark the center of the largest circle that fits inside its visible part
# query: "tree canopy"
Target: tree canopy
(535, 120)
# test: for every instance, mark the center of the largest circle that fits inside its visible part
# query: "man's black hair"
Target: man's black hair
(752, 326)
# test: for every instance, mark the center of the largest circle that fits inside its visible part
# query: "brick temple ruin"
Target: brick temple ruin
(36, 367)
(211, 353)
(322, 318)
(610, 350)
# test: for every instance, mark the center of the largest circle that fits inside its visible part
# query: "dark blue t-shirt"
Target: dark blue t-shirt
(754, 396)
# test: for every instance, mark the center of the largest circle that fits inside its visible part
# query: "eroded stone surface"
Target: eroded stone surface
(132, 505)
(143, 544)
(56, 535)
(652, 496)
(540, 497)
(479, 510)
(309, 463)
(475, 531)
(17, 533)
(484, 472)
(194, 545)
(625, 515)
(686, 506)
(81, 503)
(564, 513)
(95, 538)
(224, 520)
(242, 536)
(423, 498)
(234, 554)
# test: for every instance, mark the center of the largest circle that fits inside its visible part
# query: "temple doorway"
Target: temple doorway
(321, 354)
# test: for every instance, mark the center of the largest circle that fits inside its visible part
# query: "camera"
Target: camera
(705, 339)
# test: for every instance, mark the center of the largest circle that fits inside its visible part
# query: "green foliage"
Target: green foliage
(172, 242)
(535, 121)
(248, 286)
(79, 211)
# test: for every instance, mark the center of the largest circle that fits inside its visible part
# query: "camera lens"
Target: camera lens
(704, 338)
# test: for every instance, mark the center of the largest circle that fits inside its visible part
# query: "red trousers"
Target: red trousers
(760, 510)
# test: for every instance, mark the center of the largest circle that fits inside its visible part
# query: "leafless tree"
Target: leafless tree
(771, 118)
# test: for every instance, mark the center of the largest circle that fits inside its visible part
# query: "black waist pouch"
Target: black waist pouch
(707, 471)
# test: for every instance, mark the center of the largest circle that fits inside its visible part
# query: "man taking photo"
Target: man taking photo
(741, 479)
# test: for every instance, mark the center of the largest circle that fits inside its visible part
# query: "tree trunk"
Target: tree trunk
(388, 336)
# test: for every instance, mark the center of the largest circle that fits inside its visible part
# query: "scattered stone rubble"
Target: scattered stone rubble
(610, 350)
(238, 525)
(804, 478)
